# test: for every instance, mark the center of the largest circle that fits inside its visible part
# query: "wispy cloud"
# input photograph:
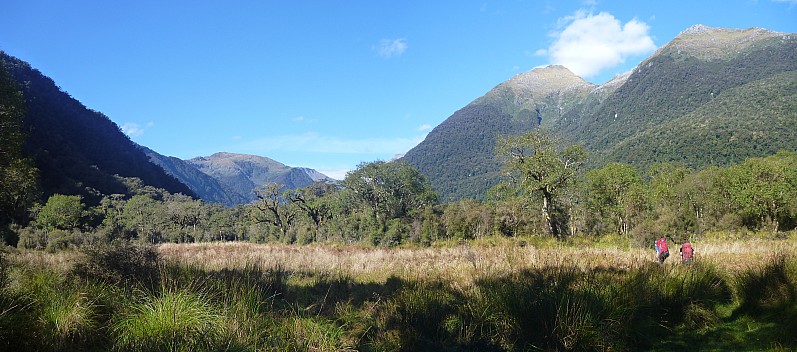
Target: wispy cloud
(388, 48)
(790, 2)
(424, 127)
(590, 44)
(132, 129)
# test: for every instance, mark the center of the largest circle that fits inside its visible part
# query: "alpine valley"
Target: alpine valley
(81, 151)
(711, 96)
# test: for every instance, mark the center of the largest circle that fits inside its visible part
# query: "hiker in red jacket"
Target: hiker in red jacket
(662, 252)
(686, 252)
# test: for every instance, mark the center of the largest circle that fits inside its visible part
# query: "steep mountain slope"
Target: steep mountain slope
(711, 96)
(699, 65)
(240, 174)
(457, 156)
(205, 186)
(78, 150)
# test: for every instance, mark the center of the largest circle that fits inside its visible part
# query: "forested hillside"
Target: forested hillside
(702, 86)
(458, 155)
(711, 96)
(77, 150)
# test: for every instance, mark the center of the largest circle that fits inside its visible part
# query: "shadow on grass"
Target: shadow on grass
(551, 308)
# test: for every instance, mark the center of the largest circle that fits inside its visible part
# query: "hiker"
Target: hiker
(686, 252)
(662, 252)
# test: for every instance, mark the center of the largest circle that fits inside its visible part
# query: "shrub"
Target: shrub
(119, 263)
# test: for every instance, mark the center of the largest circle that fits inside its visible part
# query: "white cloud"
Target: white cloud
(424, 127)
(133, 129)
(389, 48)
(591, 44)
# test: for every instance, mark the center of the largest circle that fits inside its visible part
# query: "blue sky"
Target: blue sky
(330, 84)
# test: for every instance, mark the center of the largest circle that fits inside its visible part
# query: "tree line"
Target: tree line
(544, 193)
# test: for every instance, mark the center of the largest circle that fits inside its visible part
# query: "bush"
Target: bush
(119, 263)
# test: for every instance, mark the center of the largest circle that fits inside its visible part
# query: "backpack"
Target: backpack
(662, 245)
(686, 251)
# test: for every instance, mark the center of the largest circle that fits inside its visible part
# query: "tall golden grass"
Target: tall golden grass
(462, 263)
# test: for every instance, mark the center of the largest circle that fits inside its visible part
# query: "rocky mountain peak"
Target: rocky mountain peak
(711, 43)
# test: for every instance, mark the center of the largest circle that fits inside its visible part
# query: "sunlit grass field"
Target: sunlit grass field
(491, 294)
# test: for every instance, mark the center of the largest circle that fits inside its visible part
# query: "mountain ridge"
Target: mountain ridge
(78, 150)
(621, 120)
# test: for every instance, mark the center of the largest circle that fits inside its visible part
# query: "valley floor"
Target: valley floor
(492, 294)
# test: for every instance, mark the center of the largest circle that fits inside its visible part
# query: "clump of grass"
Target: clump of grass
(769, 293)
(55, 314)
(174, 320)
(770, 286)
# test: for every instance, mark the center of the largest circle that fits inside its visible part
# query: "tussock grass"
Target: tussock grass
(486, 295)
(174, 320)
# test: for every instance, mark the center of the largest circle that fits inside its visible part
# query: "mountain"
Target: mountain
(239, 175)
(711, 96)
(203, 185)
(457, 156)
(78, 150)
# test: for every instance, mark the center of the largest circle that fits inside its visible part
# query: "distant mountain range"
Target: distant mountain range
(711, 96)
(230, 178)
(81, 151)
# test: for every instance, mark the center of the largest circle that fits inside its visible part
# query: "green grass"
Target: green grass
(562, 306)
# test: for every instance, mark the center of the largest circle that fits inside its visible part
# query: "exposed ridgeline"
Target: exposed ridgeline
(709, 97)
(78, 150)
(240, 174)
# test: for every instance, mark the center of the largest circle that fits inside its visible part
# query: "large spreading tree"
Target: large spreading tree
(538, 166)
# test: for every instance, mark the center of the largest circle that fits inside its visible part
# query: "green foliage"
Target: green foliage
(764, 190)
(552, 307)
(675, 107)
(18, 186)
(615, 194)
(61, 212)
(539, 168)
(391, 189)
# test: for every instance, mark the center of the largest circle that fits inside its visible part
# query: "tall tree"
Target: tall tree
(393, 189)
(272, 208)
(765, 189)
(18, 177)
(538, 166)
(61, 212)
(313, 201)
(615, 194)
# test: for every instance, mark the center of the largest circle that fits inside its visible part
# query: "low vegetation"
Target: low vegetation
(485, 295)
